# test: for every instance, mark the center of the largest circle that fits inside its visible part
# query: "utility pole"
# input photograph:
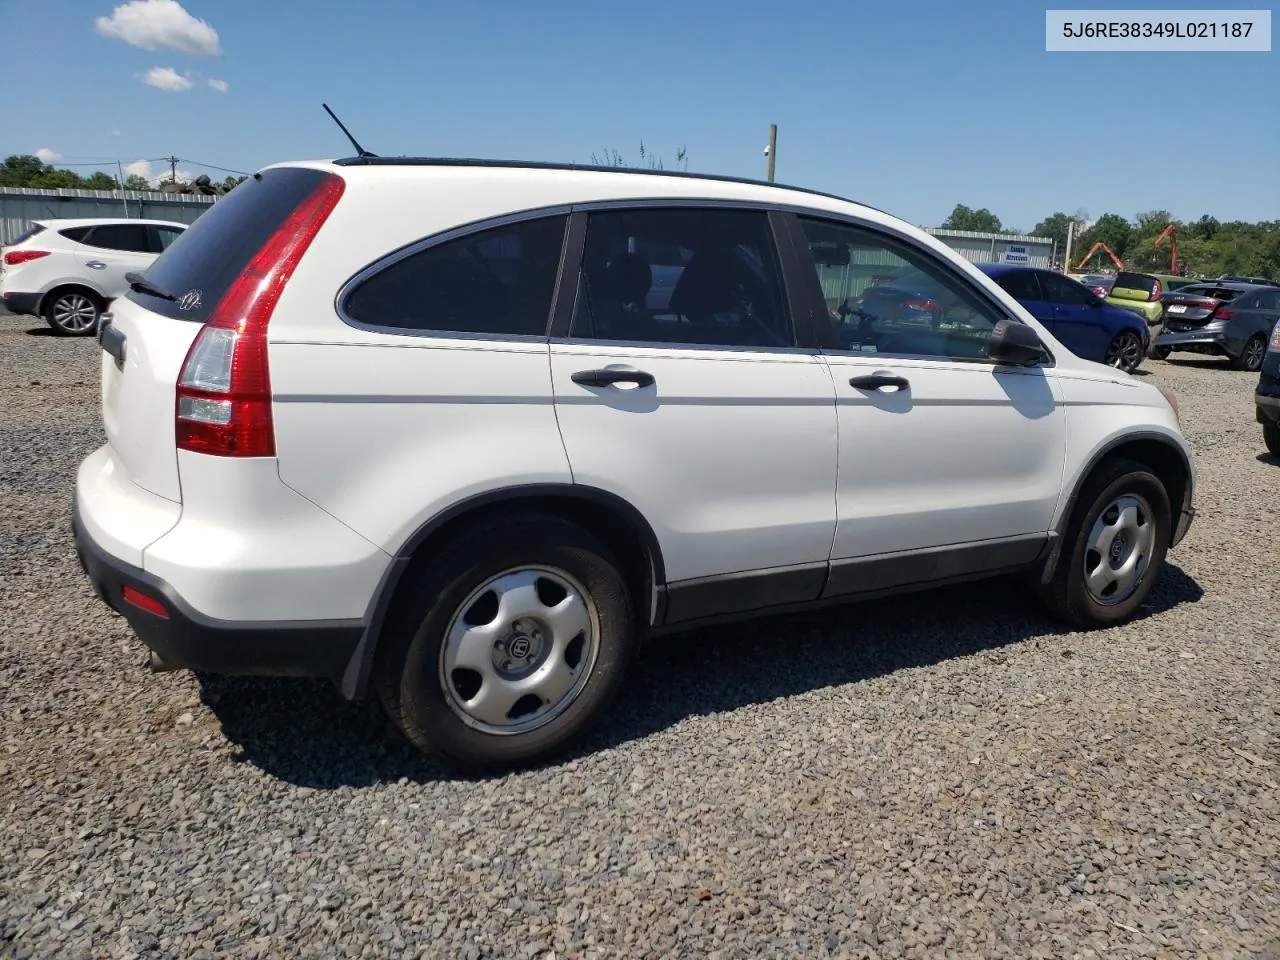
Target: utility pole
(772, 150)
(173, 169)
(1066, 264)
(124, 194)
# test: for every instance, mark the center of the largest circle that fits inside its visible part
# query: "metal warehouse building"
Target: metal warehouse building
(20, 205)
(1000, 247)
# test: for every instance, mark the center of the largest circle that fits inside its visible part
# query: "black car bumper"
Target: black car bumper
(181, 637)
(1267, 409)
(22, 303)
(1214, 342)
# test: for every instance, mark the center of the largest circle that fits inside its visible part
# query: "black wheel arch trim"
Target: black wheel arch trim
(1184, 512)
(355, 680)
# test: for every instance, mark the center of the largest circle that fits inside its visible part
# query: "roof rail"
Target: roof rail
(370, 161)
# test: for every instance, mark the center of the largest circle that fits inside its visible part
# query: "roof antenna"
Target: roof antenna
(360, 151)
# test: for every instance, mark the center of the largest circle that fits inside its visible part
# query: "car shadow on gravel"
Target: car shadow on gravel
(40, 332)
(304, 733)
(1270, 458)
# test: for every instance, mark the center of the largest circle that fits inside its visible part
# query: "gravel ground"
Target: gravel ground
(946, 774)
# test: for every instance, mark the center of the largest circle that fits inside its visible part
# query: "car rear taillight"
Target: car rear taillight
(224, 389)
(1100, 291)
(1155, 294)
(1221, 313)
(927, 306)
(14, 257)
(1275, 339)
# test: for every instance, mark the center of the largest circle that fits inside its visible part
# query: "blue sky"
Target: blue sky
(908, 106)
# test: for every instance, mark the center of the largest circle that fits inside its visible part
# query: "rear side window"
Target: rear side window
(498, 281)
(130, 237)
(201, 264)
(1020, 284)
(27, 234)
(75, 233)
(165, 236)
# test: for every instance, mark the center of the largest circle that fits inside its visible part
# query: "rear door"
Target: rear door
(696, 406)
(117, 249)
(1079, 321)
(138, 394)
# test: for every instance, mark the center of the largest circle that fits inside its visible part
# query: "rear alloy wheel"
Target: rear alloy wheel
(1125, 351)
(513, 640)
(1250, 358)
(73, 313)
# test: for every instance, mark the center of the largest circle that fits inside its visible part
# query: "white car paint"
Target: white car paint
(748, 461)
(73, 264)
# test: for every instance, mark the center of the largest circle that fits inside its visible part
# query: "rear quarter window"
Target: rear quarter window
(26, 234)
(206, 258)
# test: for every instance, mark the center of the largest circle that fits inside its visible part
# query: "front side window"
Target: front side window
(885, 297)
(694, 276)
(129, 237)
(497, 281)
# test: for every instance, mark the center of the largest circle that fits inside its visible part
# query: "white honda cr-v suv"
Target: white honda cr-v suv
(441, 430)
(69, 271)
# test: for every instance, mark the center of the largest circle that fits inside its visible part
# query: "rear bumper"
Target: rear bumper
(1195, 341)
(185, 638)
(1267, 409)
(21, 303)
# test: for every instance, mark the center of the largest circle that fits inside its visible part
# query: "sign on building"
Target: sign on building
(1016, 253)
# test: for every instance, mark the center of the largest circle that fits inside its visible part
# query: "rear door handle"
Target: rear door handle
(96, 265)
(874, 381)
(111, 340)
(608, 377)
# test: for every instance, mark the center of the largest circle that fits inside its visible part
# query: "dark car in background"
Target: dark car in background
(1222, 319)
(1266, 395)
(1082, 321)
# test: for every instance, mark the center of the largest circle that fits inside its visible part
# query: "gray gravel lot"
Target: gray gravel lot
(937, 775)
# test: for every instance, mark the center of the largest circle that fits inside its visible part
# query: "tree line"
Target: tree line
(24, 170)
(1207, 247)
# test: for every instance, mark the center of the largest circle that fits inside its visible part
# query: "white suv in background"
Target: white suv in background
(423, 427)
(68, 271)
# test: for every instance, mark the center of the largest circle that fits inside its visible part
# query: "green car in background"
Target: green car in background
(1140, 292)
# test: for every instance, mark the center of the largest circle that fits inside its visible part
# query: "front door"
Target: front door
(949, 464)
(679, 388)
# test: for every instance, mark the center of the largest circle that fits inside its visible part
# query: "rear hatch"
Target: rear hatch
(1192, 307)
(155, 329)
(1136, 286)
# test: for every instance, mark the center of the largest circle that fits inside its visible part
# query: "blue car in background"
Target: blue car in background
(1082, 321)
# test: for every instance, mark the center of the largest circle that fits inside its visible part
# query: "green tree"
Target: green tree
(1110, 228)
(978, 221)
(100, 181)
(20, 171)
(136, 181)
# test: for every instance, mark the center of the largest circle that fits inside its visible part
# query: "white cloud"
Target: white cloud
(166, 78)
(160, 24)
(143, 169)
(115, 132)
(45, 155)
(220, 85)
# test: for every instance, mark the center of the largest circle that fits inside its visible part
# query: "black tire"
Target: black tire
(1251, 356)
(1271, 437)
(66, 312)
(1124, 352)
(1160, 353)
(1066, 596)
(408, 671)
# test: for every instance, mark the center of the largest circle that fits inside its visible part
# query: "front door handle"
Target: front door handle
(874, 381)
(609, 376)
(96, 265)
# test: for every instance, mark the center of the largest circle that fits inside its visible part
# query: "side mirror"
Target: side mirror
(1015, 344)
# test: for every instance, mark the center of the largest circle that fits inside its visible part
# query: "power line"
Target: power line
(211, 166)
